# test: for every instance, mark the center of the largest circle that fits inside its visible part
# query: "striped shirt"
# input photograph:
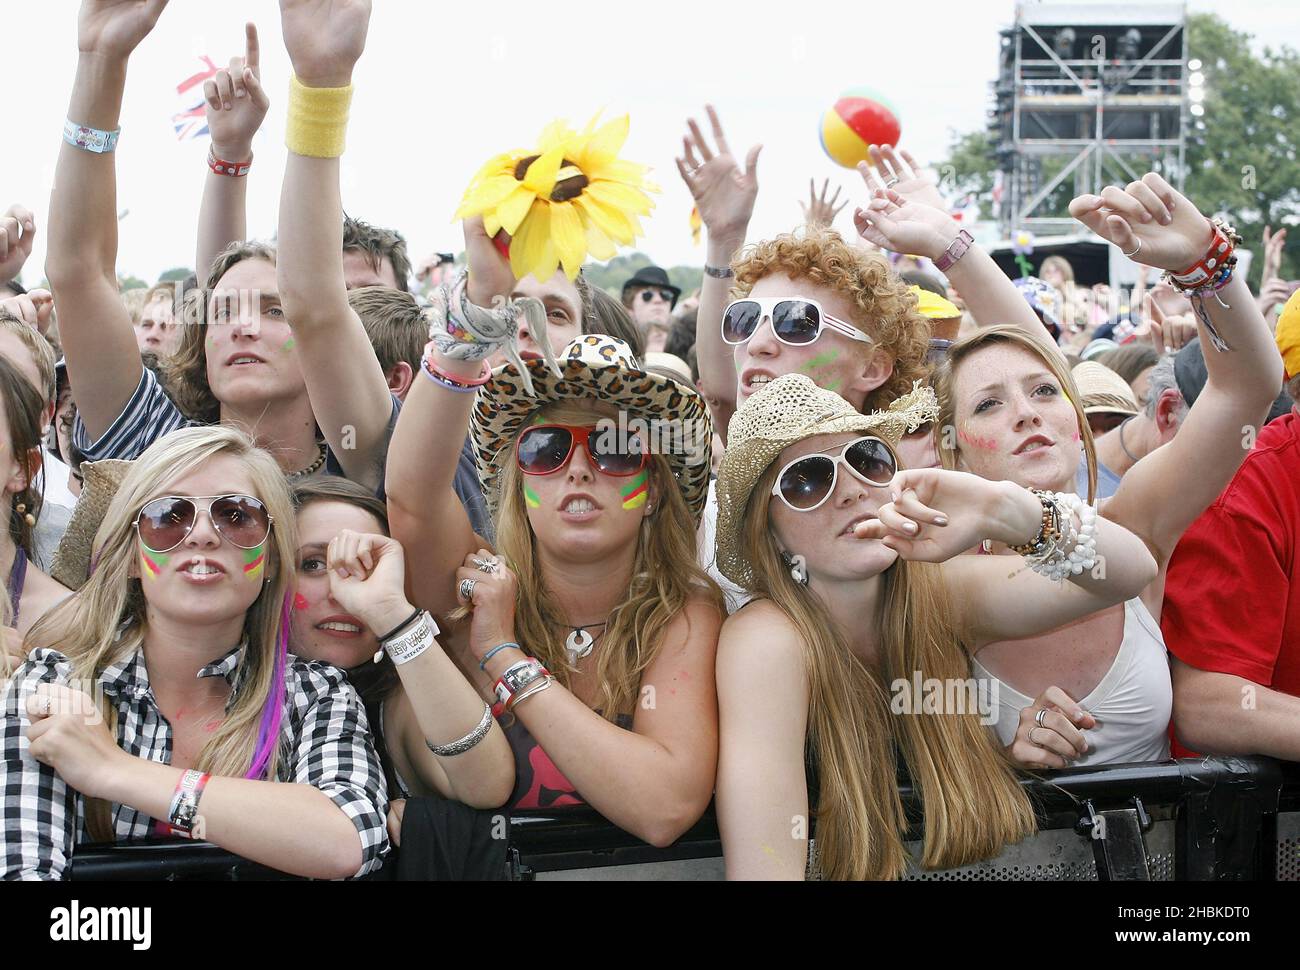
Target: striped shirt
(324, 742)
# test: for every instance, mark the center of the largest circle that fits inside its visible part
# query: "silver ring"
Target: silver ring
(1038, 718)
(486, 565)
(892, 181)
(1134, 253)
(467, 589)
(46, 704)
(1030, 737)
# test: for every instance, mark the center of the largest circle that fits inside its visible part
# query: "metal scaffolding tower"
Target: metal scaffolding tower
(1088, 94)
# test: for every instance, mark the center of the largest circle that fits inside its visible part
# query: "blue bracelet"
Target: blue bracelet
(482, 664)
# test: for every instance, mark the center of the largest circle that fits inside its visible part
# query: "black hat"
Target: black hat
(652, 276)
(1191, 376)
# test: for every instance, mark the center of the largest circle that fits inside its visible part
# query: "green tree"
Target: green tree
(128, 282)
(180, 273)
(612, 275)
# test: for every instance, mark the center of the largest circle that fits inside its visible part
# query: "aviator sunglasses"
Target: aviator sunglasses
(806, 483)
(165, 523)
(546, 448)
(796, 321)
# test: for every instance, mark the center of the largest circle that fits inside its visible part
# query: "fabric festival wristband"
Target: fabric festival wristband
(235, 170)
(718, 274)
(318, 120)
(184, 808)
(90, 139)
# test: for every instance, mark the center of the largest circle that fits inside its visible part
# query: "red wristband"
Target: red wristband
(1203, 270)
(438, 374)
(231, 169)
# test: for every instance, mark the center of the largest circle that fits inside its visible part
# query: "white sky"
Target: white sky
(443, 86)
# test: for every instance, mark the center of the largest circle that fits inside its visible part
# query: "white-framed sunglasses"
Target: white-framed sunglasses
(806, 483)
(796, 320)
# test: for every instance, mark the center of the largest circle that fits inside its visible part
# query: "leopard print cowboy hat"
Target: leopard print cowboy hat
(601, 368)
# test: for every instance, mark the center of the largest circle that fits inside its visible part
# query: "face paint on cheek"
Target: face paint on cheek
(288, 346)
(531, 499)
(254, 561)
(977, 441)
(152, 563)
(636, 491)
(300, 602)
(820, 362)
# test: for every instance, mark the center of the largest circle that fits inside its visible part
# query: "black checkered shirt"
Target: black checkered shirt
(324, 742)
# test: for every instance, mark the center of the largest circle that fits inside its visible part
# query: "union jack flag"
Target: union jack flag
(191, 121)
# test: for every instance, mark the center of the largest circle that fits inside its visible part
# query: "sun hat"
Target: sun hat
(1102, 391)
(100, 482)
(595, 367)
(668, 362)
(1287, 335)
(789, 409)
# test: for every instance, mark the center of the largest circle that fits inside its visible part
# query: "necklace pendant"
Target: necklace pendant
(578, 644)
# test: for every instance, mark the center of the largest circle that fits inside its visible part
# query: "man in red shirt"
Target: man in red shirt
(1231, 614)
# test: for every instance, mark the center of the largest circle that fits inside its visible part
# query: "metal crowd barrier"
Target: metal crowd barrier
(1219, 819)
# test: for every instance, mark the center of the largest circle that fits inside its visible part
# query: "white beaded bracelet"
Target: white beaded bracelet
(1055, 562)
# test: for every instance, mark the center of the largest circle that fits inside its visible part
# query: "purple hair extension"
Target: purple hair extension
(268, 733)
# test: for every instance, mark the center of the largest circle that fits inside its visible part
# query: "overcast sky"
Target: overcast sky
(443, 86)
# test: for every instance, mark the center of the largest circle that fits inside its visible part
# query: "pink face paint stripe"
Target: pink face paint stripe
(153, 566)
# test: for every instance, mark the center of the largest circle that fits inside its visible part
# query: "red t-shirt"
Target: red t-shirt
(1231, 605)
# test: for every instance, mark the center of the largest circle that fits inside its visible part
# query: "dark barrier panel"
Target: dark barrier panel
(1226, 812)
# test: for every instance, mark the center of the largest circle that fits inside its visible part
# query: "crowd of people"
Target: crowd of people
(331, 563)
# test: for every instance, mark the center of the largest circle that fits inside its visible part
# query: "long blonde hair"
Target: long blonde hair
(946, 375)
(105, 622)
(666, 577)
(973, 802)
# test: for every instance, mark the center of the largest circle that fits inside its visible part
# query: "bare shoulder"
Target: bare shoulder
(41, 594)
(760, 633)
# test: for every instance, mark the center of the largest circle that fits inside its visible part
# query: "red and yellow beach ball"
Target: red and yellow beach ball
(860, 117)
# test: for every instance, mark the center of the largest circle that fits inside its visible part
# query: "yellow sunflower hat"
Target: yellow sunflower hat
(569, 198)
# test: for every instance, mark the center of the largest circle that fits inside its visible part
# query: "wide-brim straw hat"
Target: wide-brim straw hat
(100, 482)
(1102, 391)
(789, 409)
(595, 367)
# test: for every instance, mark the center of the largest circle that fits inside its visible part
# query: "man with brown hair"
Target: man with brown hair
(373, 256)
(395, 324)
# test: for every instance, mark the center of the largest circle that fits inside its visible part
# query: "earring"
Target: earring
(797, 571)
(21, 509)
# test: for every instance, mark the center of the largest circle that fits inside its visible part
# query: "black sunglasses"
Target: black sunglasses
(649, 294)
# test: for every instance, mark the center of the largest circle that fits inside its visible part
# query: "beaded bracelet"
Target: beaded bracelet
(1054, 561)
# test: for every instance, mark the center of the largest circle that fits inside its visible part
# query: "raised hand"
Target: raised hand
(1150, 221)
(1274, 293)
(493, 597)
(1169, 334)
(937, 514)
(898, 170)
(33, 308)
(114, 28)
(722, 192)
(367, 576)
(17, 236)
(324, 39)
(1272, 261)
(892, 222)
(820, 211)
(236, 102)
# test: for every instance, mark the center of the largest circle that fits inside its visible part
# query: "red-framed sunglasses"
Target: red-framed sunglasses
(544, 449)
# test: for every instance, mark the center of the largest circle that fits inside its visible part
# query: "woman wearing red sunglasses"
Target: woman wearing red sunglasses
(592, 628)
(161, 700)
(861, 591)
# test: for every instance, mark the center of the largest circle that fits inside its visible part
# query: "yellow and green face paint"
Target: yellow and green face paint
(531, 498)
(254, 561)
(636, 491)
(152, 563)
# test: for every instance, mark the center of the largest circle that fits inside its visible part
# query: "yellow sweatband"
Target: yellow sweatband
(318, 120)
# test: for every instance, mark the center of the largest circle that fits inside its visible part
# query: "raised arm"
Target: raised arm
(725, 197)
(1157, 498)
(236, 105)
(98, 340)
(349, 394)
(17, 237)
(940, 514)
(906, 214)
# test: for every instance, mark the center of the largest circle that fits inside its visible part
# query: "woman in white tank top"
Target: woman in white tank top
(1098, 690)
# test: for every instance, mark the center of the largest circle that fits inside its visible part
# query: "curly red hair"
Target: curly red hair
(884, 308)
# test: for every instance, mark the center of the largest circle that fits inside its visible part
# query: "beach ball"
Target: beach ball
(860, 117)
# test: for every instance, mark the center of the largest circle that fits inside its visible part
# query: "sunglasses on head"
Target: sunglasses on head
(546, 448)
(796, 321)
(649, 294)
(807, 482)
(165, 523)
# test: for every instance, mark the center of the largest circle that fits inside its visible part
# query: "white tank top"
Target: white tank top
(1132, 704)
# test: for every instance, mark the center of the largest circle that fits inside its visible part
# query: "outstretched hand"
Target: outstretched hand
(890, 168)
(818, 210)
(722, 192)
(1150, 221)
(236, 102)
(114, 28)
(892, 222)
(325, 39)
(17, 236)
